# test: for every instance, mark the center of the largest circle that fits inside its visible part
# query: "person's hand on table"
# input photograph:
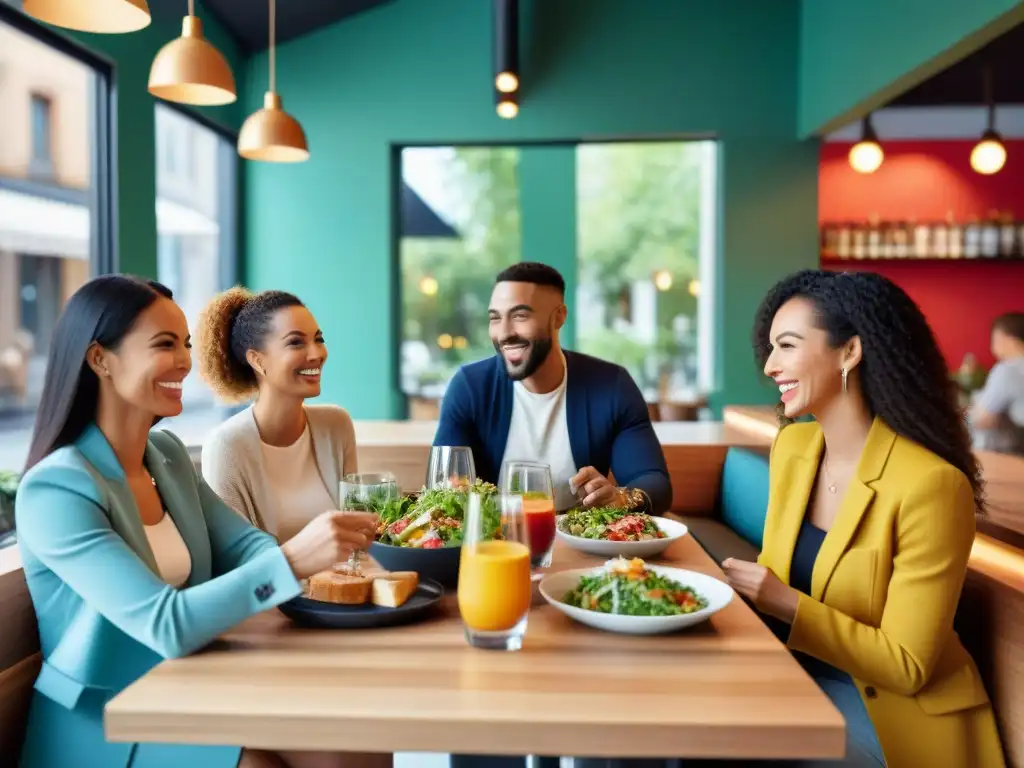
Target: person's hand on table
(329, 538)
(763, 588)
(593, 488)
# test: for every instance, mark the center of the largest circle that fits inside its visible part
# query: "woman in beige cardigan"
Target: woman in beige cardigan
(280, 461)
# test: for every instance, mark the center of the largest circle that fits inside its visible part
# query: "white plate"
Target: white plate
(644, 549)
(718, 594)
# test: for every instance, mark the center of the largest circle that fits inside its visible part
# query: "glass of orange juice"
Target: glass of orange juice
(494, 572)
(532, 481)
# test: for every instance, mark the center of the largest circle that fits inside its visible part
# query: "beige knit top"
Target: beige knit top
(233, 459)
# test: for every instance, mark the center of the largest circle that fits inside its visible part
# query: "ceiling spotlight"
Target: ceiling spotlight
(507, 108)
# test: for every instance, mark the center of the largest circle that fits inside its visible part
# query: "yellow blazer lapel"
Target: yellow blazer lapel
(788, 505)
(856, 502)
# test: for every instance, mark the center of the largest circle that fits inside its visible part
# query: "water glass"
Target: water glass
(532, 481)
(366, 492)
(450, 466)
(494, 573)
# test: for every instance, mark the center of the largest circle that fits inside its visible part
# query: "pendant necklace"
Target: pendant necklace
(828, 477)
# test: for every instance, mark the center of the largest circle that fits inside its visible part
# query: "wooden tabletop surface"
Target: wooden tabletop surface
(726, 689)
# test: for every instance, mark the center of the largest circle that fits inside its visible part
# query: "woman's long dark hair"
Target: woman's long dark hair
(903, 374)
(102, 311)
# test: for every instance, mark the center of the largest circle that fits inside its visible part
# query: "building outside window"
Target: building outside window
(53, 106)
(196, 217)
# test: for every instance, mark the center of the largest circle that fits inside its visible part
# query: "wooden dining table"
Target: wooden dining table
(726, 688)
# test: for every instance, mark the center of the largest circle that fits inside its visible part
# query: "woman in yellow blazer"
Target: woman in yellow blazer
(870, 520)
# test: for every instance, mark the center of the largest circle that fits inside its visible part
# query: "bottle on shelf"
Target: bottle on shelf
(874, 237)
(940, 242)
(1007, 235)
(972, 238)
(990, 236)
(845, 237)
(860, 241)
(827, 237)
(922, 241)
(955, 244)
(901, 240)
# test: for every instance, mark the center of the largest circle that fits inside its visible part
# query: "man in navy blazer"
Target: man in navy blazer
(533, 401)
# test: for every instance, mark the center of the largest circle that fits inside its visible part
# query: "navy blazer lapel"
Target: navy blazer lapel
(577, 411)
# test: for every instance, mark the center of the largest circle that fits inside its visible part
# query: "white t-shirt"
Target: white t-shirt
(539, 432)
(172, 556)
(295, 485)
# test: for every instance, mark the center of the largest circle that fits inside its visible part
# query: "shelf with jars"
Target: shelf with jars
(996, 237)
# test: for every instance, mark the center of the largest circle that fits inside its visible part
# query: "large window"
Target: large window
(459, 225)
(645, 250)
(645, 245)
(196, 220)
(54, 212)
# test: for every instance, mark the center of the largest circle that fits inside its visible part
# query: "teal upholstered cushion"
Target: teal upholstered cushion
(744, 494)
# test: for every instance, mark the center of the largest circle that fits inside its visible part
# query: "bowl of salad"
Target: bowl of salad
(611, 531)
(423, 533)
(632, 597)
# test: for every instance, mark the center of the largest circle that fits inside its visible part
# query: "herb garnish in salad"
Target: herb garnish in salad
(435, 519)
(610, 524)
(629, 588)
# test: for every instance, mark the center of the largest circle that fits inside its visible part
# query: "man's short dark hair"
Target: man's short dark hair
(1012, 324)
(532, 272)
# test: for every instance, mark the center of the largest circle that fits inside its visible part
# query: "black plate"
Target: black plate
(321, 615)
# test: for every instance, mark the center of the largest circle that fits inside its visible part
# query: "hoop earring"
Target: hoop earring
(844, 380)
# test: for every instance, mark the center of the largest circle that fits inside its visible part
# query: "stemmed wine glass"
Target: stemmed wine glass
(366, 492)
(451, 466)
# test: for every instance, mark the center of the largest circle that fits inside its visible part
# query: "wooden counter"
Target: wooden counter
(727, 689)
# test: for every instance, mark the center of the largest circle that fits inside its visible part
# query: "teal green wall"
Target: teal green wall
(547, 210)
(856, 55)
(420, 71)
(132, 55)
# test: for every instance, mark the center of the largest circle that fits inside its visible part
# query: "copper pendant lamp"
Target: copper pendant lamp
(189, 70)
(271, 134)
(100, 16)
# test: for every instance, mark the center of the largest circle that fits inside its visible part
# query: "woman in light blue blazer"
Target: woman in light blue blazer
(130, 558)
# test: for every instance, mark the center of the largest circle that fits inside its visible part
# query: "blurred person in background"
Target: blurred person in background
(996, 414)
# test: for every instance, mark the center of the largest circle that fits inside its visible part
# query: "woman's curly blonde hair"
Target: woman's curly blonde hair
(231, 324)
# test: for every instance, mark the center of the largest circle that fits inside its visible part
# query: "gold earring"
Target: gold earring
(844, 379)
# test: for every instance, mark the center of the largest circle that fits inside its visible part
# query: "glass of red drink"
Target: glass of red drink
(532, 481)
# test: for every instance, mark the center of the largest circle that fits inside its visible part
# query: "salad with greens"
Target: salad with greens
(610, 524)
(629, 588)
(435, 518)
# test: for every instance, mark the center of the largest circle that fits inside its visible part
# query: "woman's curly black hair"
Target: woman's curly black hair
(903, 374)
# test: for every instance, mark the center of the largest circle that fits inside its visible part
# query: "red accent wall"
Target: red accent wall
(926, 181)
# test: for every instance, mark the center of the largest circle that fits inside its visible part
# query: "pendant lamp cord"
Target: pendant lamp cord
(273, 58)
(990, 100)
(191, 7)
